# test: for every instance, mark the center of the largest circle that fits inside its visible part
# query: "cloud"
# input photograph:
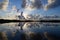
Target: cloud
(31, 4)
(14, 7)
(37, 4)
(52, 4)
(23, 3)
(4, 4)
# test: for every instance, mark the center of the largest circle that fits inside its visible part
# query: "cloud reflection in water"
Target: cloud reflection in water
(30, 30)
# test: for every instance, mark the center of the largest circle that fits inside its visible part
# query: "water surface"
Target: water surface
(30, 31)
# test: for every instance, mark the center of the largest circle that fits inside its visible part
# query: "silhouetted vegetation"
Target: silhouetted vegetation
(8, 21)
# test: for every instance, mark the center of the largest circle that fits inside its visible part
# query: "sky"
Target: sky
(42, 7)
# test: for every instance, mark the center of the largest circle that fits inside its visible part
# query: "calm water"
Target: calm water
(30, 31)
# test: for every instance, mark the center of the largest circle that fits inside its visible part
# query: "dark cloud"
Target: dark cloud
(52, 4)
(37, 4)
(1, 5)
(32, 4)
(23, 3)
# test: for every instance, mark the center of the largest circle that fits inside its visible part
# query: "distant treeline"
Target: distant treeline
(7, 21)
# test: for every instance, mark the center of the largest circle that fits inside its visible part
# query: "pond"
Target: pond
(30, 31)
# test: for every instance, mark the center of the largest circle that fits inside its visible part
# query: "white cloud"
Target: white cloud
(52, 4)
(50, 1)
(14, 7)
(4, 4)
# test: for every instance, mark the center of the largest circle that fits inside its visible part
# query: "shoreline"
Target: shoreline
(8, 21)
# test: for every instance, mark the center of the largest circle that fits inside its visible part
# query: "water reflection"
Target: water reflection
(30, 31)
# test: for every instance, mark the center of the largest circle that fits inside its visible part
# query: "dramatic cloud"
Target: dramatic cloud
(4, 4)
(31, 4)
(52, 4)
(37, 4)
